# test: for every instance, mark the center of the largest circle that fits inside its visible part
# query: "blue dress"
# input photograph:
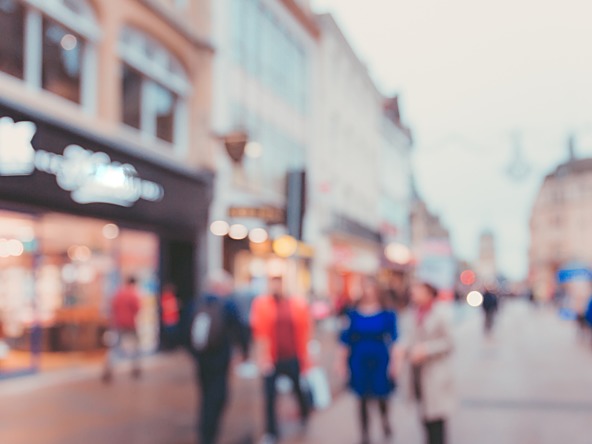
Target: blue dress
(369, 338)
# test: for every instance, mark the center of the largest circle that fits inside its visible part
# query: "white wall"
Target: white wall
(241, 97)
(343, 165)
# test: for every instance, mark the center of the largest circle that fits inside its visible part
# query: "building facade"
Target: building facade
(344, 217)
(105, 166)
(264, 82)
(431, 246)
(487, 261)
(560, 225)
(395, 197)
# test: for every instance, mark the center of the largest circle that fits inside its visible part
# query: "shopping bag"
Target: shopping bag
(318, 384)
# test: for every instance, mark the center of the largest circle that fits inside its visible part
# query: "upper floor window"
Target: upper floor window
(12, 23)
(50, 45)
(155, 88)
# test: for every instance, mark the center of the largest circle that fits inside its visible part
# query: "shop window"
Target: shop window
(155, 88)
(58, 275)
(50, 45)
(12, 23)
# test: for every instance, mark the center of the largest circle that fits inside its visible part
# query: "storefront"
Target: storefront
(79, 214)
(352, 259)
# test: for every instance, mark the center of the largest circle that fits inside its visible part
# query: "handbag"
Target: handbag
(318, 385)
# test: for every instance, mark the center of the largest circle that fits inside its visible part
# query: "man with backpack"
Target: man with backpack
(215, 328)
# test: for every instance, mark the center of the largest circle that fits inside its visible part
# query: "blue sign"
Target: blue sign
(575, 274)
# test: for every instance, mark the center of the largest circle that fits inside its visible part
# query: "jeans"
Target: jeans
(117, 349)
(212, 377)
(291, 369)
(435, 431)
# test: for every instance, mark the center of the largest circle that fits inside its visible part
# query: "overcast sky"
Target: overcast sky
(471, 74)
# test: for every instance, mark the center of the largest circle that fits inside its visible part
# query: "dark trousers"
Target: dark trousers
(365, 417)
(291, 369)
(212, 373)
(435, 432)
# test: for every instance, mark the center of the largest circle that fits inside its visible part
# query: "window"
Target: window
(264, 46)
(62, 61)
(12, 23)
(50, 45)
(154, 88)
(131, 98)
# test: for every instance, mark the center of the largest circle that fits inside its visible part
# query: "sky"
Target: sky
(476, 80)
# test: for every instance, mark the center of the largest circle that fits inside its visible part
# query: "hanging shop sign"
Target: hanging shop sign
(90, 177)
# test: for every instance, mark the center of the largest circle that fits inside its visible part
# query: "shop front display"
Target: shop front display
(78, 215)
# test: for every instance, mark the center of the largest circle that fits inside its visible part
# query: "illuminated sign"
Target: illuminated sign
(90, 177)
(270, 215)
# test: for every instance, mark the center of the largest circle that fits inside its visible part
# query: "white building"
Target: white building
(348, 177)
(263, 82)
(396, 193)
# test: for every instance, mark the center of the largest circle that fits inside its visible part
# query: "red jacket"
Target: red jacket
(125, 307)
(170, 309)
(263, 323)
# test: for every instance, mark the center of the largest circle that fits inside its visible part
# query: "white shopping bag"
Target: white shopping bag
(317, 381)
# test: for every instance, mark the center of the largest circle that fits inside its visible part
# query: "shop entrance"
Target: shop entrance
(57, 275)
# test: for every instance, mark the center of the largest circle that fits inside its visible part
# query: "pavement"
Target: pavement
(530, 383)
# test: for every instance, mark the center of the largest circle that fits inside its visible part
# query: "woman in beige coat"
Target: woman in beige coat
(425, 355)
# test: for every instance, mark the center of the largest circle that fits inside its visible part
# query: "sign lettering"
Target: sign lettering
(90, 177)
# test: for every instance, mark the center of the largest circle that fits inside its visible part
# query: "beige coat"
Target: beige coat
(437, 374)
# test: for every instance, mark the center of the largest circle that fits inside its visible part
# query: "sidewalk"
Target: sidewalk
(74, 406)
(530, 384)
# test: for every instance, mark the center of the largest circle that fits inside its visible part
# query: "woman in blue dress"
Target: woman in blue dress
(368, 349)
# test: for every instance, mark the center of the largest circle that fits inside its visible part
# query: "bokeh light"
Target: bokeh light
(475, 299)
(219, 228)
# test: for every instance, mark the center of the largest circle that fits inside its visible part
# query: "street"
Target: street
(529, 383)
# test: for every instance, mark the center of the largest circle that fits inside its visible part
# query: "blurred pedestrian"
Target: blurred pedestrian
(368, 351)
(215, 329)
(490, 307)
(588, 315)
(281, 328)
(125, 307)
(425, 351)
(170, 316)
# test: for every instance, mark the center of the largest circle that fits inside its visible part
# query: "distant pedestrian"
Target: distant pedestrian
(588, 315)
(426, 347)
(216, 327)
(490, 307)
(125, 307)
(281, 328)
(170, 316)
(368, 351)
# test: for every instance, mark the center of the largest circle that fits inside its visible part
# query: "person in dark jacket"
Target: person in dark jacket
(490, 307)
(213, 360)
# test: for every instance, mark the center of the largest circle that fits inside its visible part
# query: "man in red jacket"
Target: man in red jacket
(125, 306)
(281, 328)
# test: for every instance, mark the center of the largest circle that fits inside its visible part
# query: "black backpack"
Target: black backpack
(208, 329)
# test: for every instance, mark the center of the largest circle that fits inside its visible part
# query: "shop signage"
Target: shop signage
(271, 215)
(90, 177)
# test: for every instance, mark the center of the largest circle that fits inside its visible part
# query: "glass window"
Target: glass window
(154, 88)
(165, 104)
(131, 97)
(62, 61)
(12, 19)
(50, 46)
